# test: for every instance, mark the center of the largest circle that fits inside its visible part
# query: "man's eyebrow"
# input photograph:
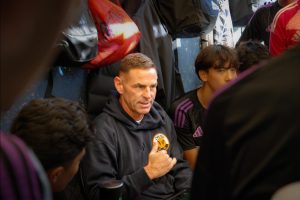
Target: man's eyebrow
(138, 84)
(223, 67)
(219, 67)
(142, 85)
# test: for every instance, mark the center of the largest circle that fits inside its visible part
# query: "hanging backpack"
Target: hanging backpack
(79, 41)
(78, 45)
(118, 35)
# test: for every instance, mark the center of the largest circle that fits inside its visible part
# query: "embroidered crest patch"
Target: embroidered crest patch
(162, 140)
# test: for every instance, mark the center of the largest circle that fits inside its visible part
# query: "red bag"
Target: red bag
(118, 35)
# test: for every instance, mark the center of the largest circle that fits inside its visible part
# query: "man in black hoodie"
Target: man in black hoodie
(136, 140)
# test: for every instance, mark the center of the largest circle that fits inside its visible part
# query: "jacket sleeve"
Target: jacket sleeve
(181, 171)
(101, 163)
(253, 30)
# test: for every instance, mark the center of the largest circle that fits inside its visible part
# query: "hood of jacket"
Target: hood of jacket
(152, 120)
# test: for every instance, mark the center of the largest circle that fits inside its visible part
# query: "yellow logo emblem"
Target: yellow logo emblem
(162, 140)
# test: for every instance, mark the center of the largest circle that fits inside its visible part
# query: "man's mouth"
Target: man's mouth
(145, 104)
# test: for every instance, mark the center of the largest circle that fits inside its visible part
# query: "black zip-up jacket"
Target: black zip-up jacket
(259, 25)
(121, 149)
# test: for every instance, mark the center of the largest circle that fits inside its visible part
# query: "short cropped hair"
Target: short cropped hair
(250, 53)
(215, 56)
(56, 129)
(136, 61)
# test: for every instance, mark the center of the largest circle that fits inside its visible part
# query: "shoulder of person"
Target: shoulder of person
(183, 97)
(103, 120)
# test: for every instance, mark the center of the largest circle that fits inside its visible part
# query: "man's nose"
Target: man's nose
(230, 75)
(147, 92)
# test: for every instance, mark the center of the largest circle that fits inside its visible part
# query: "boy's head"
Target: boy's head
(215, 65)
(251, 53)
(58, 131)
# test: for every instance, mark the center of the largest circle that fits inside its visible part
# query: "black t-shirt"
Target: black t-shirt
(187, 114)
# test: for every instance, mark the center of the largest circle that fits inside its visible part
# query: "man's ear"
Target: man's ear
(203, 75)
(53, 174)
(118, 84)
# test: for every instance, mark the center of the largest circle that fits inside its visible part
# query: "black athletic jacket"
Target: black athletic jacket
(121, 150)
(258, 27)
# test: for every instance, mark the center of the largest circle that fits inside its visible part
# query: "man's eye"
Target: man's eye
(140, 86)
(233, 69)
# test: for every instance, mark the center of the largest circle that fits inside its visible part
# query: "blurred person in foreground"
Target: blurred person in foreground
(29, 32)
(29, 29)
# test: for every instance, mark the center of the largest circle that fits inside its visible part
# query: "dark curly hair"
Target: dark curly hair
(251, 53)
(56, 129)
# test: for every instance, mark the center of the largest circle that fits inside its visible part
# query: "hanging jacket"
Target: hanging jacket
(156, 43)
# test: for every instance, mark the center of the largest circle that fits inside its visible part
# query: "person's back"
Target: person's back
(252, 143)
(19, 68)
(57, 130)
(136, 140)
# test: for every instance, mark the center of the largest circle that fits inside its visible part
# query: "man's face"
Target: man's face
(137, 90)
(215, 78)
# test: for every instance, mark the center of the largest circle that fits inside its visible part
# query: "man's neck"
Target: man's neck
(204, 95)
(134, 116)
